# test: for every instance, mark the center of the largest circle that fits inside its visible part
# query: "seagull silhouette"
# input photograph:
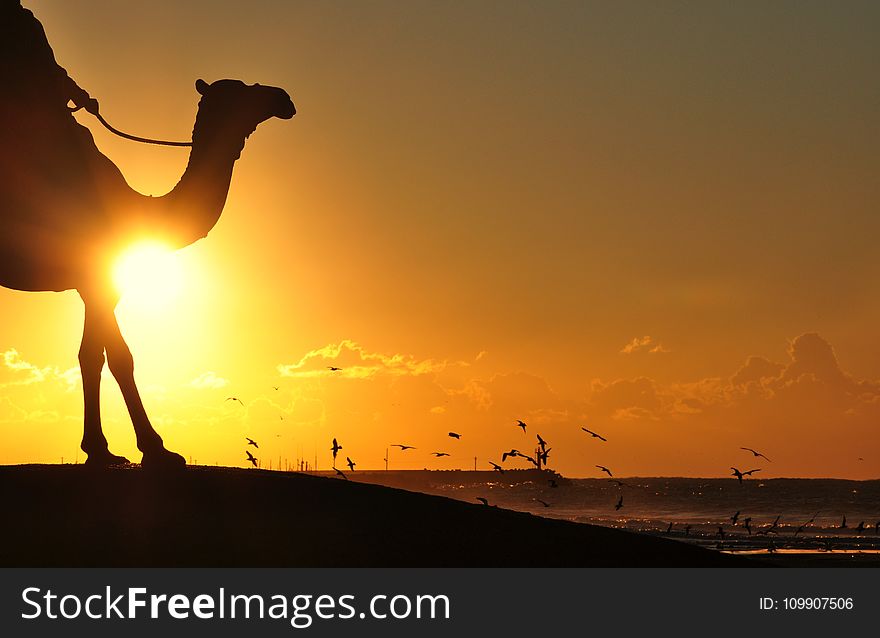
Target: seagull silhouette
(340, 473)
(669, 529)
(234, 399)
(483, 500)
(251, 442)
(544, 503)
(543, 455)
(335, 449)
(333, 369)
(520, 424)
(805, 525)
(504, 455)
(594, 435)
(735, 518)
(541, 442)
(755, 453)
(403, 447)
(619, 503)
(350, 463)
(739, 475)
(606, 470)
(529, 459)
(439, 454)
(860, 528)
(496, 467)
(251, 457)
(455, 435)
(842, 523)
(747, 523)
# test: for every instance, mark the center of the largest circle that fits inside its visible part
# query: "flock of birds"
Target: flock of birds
(542, 455)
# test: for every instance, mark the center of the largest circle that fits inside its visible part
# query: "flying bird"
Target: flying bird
(594, 435)
(504, 455)
(543, 455)
(455, 435)
(542, 442)
(739, 475)
(669, 529)
(805, 525)
(755, 453)
(340, 473)
(606, 470)
(529, 459)
(496, 467)
(350, 463)
(234, 399)
(520, 424)
(734, 518)
(335, 449)
(403, 447)
(747, 523)
(275, 387)
(333, 369)
(251, 442)
(251, 457)
(860, 528)
(483, 500)
(842, 523)
(439, 454)
(619, 503)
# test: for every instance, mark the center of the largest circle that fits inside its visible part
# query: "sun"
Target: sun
(149, 275)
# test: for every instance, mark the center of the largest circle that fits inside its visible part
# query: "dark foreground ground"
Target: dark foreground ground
(71, 516)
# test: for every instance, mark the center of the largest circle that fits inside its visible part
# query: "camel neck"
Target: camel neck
(193, 207)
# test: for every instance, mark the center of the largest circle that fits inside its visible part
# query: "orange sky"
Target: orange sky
(655, 221)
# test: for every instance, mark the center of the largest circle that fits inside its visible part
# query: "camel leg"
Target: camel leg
(91, 361)
(121, 364)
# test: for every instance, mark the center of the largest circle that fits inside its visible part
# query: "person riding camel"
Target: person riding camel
(29, 73)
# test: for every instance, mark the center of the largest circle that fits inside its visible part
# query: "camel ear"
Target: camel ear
(201, 86)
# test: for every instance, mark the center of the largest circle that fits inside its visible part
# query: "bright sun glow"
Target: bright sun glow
(149, 275)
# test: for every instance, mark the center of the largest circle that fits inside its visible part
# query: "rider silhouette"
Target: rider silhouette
(29, 73)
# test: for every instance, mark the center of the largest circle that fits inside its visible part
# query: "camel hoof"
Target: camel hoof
(106, 459)
(162, 460)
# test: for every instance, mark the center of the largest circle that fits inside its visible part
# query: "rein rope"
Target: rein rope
(134, 138)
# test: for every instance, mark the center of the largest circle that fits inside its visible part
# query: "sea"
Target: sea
(773, 516)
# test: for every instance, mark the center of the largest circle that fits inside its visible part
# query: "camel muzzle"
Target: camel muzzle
(287, 110)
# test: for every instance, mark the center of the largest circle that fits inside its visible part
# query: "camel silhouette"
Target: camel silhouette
(66, 211)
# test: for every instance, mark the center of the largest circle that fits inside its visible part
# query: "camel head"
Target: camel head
(238, 107)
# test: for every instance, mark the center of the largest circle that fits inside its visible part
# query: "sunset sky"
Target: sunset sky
(655, 220)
